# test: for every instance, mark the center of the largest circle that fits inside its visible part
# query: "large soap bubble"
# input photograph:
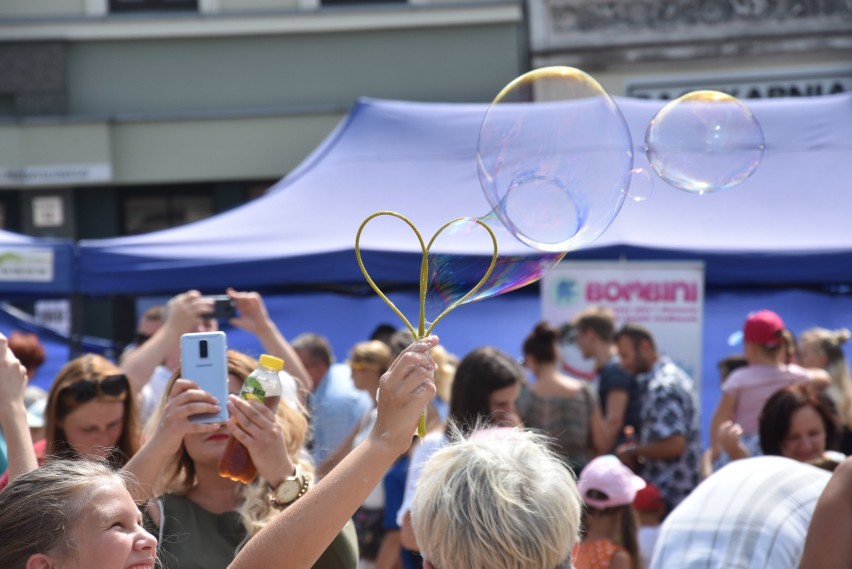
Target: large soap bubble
(555, 157)
(704, 141)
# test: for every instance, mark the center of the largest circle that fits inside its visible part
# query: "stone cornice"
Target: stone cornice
(574, 26)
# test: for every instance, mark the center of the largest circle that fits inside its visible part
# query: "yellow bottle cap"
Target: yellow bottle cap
(272, 362)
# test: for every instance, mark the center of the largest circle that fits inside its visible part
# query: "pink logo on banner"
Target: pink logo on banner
(648, 291)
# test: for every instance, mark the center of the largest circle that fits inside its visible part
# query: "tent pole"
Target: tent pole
(75, 346)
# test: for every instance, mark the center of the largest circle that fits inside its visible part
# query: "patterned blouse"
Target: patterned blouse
(594, 554)
(566, 419)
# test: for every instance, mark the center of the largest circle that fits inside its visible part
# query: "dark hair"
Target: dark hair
(774, 423)
(400, 339)
(598, 319)
(383, 333)
(480, 373)
(728, 364)
(541, 343)
(28, 350)
(636, 333)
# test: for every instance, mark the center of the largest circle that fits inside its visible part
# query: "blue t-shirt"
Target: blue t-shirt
(394, 482)
(613, 376)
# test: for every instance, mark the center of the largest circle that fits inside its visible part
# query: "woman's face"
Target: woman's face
(109, 534)
(207, 448)
(365, 376)
(811, 356)
(805, 438)
(501, 404)
(94, 428)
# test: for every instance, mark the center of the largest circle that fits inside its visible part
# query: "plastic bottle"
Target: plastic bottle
(263, 385)
(629, 435)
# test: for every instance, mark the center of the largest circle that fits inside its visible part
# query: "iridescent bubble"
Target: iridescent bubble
(456, 263)
(457, 257)
(704, 141)
(641, 185)
(554, 156)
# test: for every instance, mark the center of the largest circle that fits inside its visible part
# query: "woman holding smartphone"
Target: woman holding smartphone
(90, 413)
(202, 520)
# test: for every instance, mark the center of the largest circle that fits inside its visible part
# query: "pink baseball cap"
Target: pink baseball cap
(607, 475)
(763, 327)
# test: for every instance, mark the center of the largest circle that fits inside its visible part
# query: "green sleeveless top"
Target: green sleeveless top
(193, 538)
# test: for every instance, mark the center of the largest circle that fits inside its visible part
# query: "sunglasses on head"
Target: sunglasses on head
(86, 389)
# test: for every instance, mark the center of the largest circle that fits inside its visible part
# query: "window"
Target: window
(123, 6)
(151, 213)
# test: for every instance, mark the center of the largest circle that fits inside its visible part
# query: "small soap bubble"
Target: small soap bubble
(704, 141)
(554, 156)
(641, 185)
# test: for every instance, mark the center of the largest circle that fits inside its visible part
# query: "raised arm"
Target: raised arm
(616, 409)
(13, 413)
(724, 413)
(296, 538)
(182, 314)
(254, 318)
(828, 543)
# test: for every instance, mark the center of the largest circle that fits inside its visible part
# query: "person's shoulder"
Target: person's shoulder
(342, 553)
(667, 374)
(429, 445)
(797, 372)
(614, 376)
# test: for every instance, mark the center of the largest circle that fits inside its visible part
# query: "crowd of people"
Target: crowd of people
(523, 466)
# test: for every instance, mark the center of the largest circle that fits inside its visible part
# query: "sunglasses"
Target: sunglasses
(86, 389)
(140, 338)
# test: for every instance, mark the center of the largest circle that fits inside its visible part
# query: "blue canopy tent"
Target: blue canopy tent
(786, 226)
(33, 267)
(56, 346)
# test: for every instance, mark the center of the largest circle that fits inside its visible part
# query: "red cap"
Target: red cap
(763, 327)
(648, 499)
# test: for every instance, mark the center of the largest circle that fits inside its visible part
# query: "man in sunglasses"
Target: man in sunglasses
(150, 321)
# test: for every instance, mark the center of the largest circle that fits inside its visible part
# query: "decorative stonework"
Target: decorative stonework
(631, 30)
(580, 16)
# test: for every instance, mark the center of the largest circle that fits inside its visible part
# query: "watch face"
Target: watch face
(288, 491)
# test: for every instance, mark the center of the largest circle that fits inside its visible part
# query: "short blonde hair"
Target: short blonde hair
(498, 500)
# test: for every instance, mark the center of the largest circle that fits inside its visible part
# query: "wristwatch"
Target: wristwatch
(289, 490)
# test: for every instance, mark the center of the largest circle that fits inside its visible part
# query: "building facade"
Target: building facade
(127, 116)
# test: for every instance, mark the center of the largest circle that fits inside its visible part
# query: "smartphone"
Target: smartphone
(224, 308)
(204, 360)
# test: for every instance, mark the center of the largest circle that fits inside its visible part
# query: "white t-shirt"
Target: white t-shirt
(152, 392)
(432, 443)
(751, 514)
(647, 538)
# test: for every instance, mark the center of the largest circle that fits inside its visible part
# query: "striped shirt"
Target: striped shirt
(751, 514)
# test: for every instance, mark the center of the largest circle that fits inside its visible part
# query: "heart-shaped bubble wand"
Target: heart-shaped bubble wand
(422, 331)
